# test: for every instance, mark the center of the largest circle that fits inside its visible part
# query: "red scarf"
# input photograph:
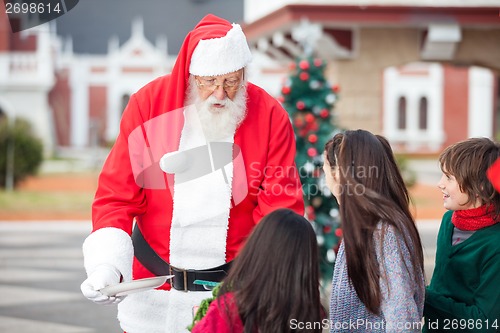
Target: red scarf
(473, 219)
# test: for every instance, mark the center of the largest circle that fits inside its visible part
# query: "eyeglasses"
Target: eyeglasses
(210, 84)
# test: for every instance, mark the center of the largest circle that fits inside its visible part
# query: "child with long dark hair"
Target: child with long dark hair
(378, 281)
(464, 293)
(273, 284)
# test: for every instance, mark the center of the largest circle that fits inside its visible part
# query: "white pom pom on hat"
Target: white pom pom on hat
(223, 55)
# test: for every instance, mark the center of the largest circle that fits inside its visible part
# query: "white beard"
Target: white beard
(218, 123)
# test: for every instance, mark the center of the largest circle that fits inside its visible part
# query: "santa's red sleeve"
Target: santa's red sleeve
(118, 199)
(281, 187)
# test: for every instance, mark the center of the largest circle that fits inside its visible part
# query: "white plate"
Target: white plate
(135, 286)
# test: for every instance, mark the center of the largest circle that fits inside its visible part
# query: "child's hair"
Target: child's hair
(275, 277)
(372, 190)
(468, 162)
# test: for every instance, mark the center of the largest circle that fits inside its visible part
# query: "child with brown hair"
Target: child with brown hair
(464, 293)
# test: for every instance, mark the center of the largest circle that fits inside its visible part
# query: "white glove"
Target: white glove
(103, 275)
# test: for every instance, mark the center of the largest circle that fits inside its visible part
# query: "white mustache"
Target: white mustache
(212, 100)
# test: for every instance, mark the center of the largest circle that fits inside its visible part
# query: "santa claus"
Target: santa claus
(201, 157)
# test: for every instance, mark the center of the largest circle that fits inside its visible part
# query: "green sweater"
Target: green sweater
(464, 293)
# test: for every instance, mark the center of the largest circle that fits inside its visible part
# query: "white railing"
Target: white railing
(22, 63)
(25, 68)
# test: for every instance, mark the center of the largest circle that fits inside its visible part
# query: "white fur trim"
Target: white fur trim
(159, 311)
(111, 246)
(174, 162)
(219, 56)
(201, 208)
(181, 305)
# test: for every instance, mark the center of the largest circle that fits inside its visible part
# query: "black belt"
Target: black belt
(183, 278)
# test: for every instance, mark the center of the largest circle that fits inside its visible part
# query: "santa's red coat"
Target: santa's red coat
(131, 188)
(267, 143)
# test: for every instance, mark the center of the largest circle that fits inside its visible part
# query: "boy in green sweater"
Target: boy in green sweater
(464, 293)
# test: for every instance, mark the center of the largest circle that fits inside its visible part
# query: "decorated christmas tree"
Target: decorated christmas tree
(309, 99)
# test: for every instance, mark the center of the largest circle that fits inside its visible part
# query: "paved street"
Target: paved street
(41, 268)
(428, 233)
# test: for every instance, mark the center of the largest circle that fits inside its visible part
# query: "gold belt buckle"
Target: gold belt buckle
(185, 280)
(184, 273)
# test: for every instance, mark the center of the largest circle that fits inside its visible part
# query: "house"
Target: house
(75, 99)
(424, 74)
(428, 105)
(27, 76)
(91, 91)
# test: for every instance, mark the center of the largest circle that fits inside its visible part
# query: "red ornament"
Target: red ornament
(304, 76)
(336, 88)
(327, 229)
(324, 113)
(300, 105)
(304, 65)
(310, 213)
(318, 62)
(309, 118)
(314, 126)
(280, 99)
(311, 152)
(298, 122)
(338, 232)
(285, 90)
(313, 138)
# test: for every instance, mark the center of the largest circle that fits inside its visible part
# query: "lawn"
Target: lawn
(50, 197)
(68, 196)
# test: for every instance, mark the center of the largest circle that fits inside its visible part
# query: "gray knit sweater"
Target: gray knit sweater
(403, 293)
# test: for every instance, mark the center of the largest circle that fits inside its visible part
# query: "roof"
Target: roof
(371, 15)
(91, 23)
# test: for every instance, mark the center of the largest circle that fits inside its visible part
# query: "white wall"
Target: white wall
(117, 82)
(413, 88)
(79, 103)
(481, 90)
(267, 73)
(25, 80)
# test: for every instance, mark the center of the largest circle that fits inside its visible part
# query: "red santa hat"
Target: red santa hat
(219, 55)
(213, 47)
